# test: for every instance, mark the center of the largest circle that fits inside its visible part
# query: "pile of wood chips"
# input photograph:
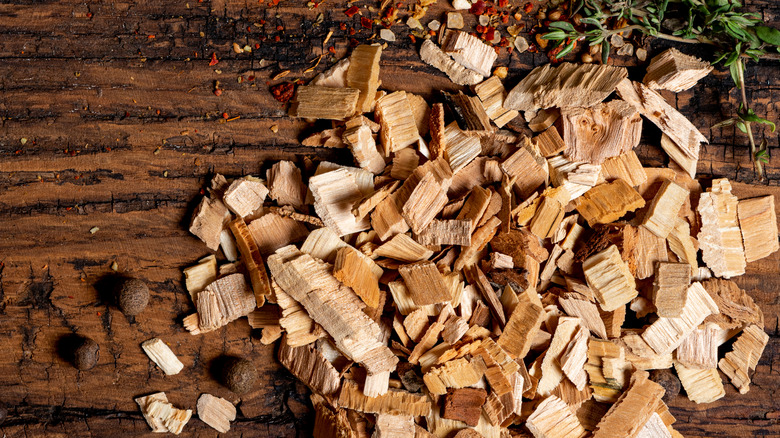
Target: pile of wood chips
(469, 281)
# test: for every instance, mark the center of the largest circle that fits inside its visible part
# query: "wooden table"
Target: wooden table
(110, 128)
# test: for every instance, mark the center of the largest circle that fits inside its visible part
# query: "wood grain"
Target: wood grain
(115, 101)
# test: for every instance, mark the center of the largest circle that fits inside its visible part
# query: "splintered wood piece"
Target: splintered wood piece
(500, 261)
(610, 279)
(648, 250)
(613, 321)
(475, 206)
(286, 185)
(675, 71)
(323, 244)
(404, 248)
(549, 142)
(432, 55)
(161, 354)
(607, 369)
(565, 86)
(335, 193)
(399, 128)
(425, 283)
(494, 409)
(425, 202)
(475, 276)
(223, 301)
(309, 366)
(528, 169)
(416, 324)
(720, 239)
(737, 308)
(454, 329)
(245, 196)
(143, 402)
(272, 231)
(701, 385)
(626, 167)
(329, 138)
(363, 75)
(216, 412)
(436, 126)
(553, 418)
(252, 259)
(394, 426)
(743, 358)
(661, 216)
(470, 114)
(336, 76)
(464, 405)
(654, 428)
(445, 232)
(670, 288)
(470, 52)
(576, 177)
(421, 111)
(393, 402)
(548, 215)
(683, 139)
(352, 269)
(552, 374)
(665, 334)
(608, 202)
(699, 349)
(335, 307)
(457, 373)
(209, 219)
(166, 417)
(682, 244)
(758, 222)
(366, 205)
(573, 359)
(521, 329)
(543, 119)
(404, 163)
(632, 410)
(640, 354)
(491, 93)
(386, 219)
(461, 148)
(316, 102)
(197, 277)
(357, 136)
(588, 314)
(479, 240)
(300, 328)
(599, 132)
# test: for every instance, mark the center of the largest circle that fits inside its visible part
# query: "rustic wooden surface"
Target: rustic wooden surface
(122, 130)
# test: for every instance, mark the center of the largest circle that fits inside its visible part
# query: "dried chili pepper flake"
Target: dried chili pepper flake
(251, 78)
(491, 10)
(504, 42)
(343, 26)
(412, 37)
(503, 3)
(352, 31)
(528, 7)
(505, 19)
(262, 21)
(490, 33)
(332, 49)
(481, 29)
(353, 42)
(532, 48)
(351, 11)
(249, 28)
(478, 8)
(280, 28)
(277, 38)
(257, 45)
(283, 92)
(225, 115)
(218, 92)
(214, 60)
(366, 22)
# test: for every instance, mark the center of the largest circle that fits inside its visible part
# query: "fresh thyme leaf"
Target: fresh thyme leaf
(769, 35)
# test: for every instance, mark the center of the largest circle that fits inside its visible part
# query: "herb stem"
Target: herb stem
(756, 162)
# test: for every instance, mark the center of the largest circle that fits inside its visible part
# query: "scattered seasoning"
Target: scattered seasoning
(94, 230)
(327, 37)
(351, 11)
(274, 128)
(316, 63)
(283, 92)
(114, 266)
(214, 60)
(366, 22)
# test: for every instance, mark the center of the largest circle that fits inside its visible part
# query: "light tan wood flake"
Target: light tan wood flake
(475, 276)
(737, 308)
(564, 86)
(352, 269)
(633, 409)
(209, 219)
(491, 93)
(399, 128)
(446, 232)
(543, 119)
(603, 131)
(328, 138)
(336, 76)
(386, 219)
(587, 312)
(553, 418)
(461, 148)
(358, 137)
(323, 244)
(682, 244)
(216, 412)
(245, 196)
(576, 177)
(424, 203)
(527, 168)
(609, 278)
(363, 75)
(162, 355)
(393, 426)
(523, 325)
(608, 202)
(607, 369)
(743, 359)
(654, 428)
(470, 52)
(675, 71)
(252, 259)
(335, 193)
(720, 239)
(316, 102)
(394, 402)
(425, 283)
(223, 301)
(480, 239)
(309, 366)
(199, 276)
(572, 360)
(549, 142)
(699, 349)
(701, 385)
(296, 322)
(758, 222)
(471, 112)
(670, 288)
(457, 373)
(661, 216)
(683, 139)
(272, 231)
(648, 250)
(404, 248)
(404, 163)
(666, 334)
(625, 166)
(286, 185)
(552, 374)
(431, 54)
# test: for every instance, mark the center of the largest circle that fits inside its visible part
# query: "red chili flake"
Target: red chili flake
(490, 33)
(249, 28)
(481, 29)
(257, 45)
(277, 38)
(332, 49)
(411, 37)
(352, 11)
(280, 28)
(158, 112)
(218, 92)
(214, 59)
(275, 2)
(263, 38)
(478, 8)
(504, 42)
(491, 10)
(352, 31)
(89, 14)
(151, 37)
(503, 3)
(366, 22)
(225, 115)
(283, 92)
(98, 312)
(127, 114)
(343, 26)
(505, 19)
(71, 208)
(432, 32)
(353, 42)
(262, 21)
(390, 13)
(528, 8)
(532, 48)
(251, 78)
(202, 191)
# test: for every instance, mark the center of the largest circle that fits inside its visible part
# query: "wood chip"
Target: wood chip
(661, 216)
(358, 137)
(446, 232)
(352, 269)
(363, 75)
(252, 260)
(609, 278)
(216, 412)
(461, 148)
(161, 354)
(245, 196)
(394, 402)
(552, 418)
(431, 54)
(424, 203)
(209, 219)
(701, 385)
(599, 132)
(335, 193)
(626, 167)
(720, 239)
(469, 112)
(758, 222)
(317, 102)
(699, 349)
(425, 283)
(309, 366)
(491, 93)
(272, 231)
(399, 128)
(470, 52)
(744, 356)
(464, 405)
(549, 142)
(608, 202)
(675, 71)
(632, 410)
